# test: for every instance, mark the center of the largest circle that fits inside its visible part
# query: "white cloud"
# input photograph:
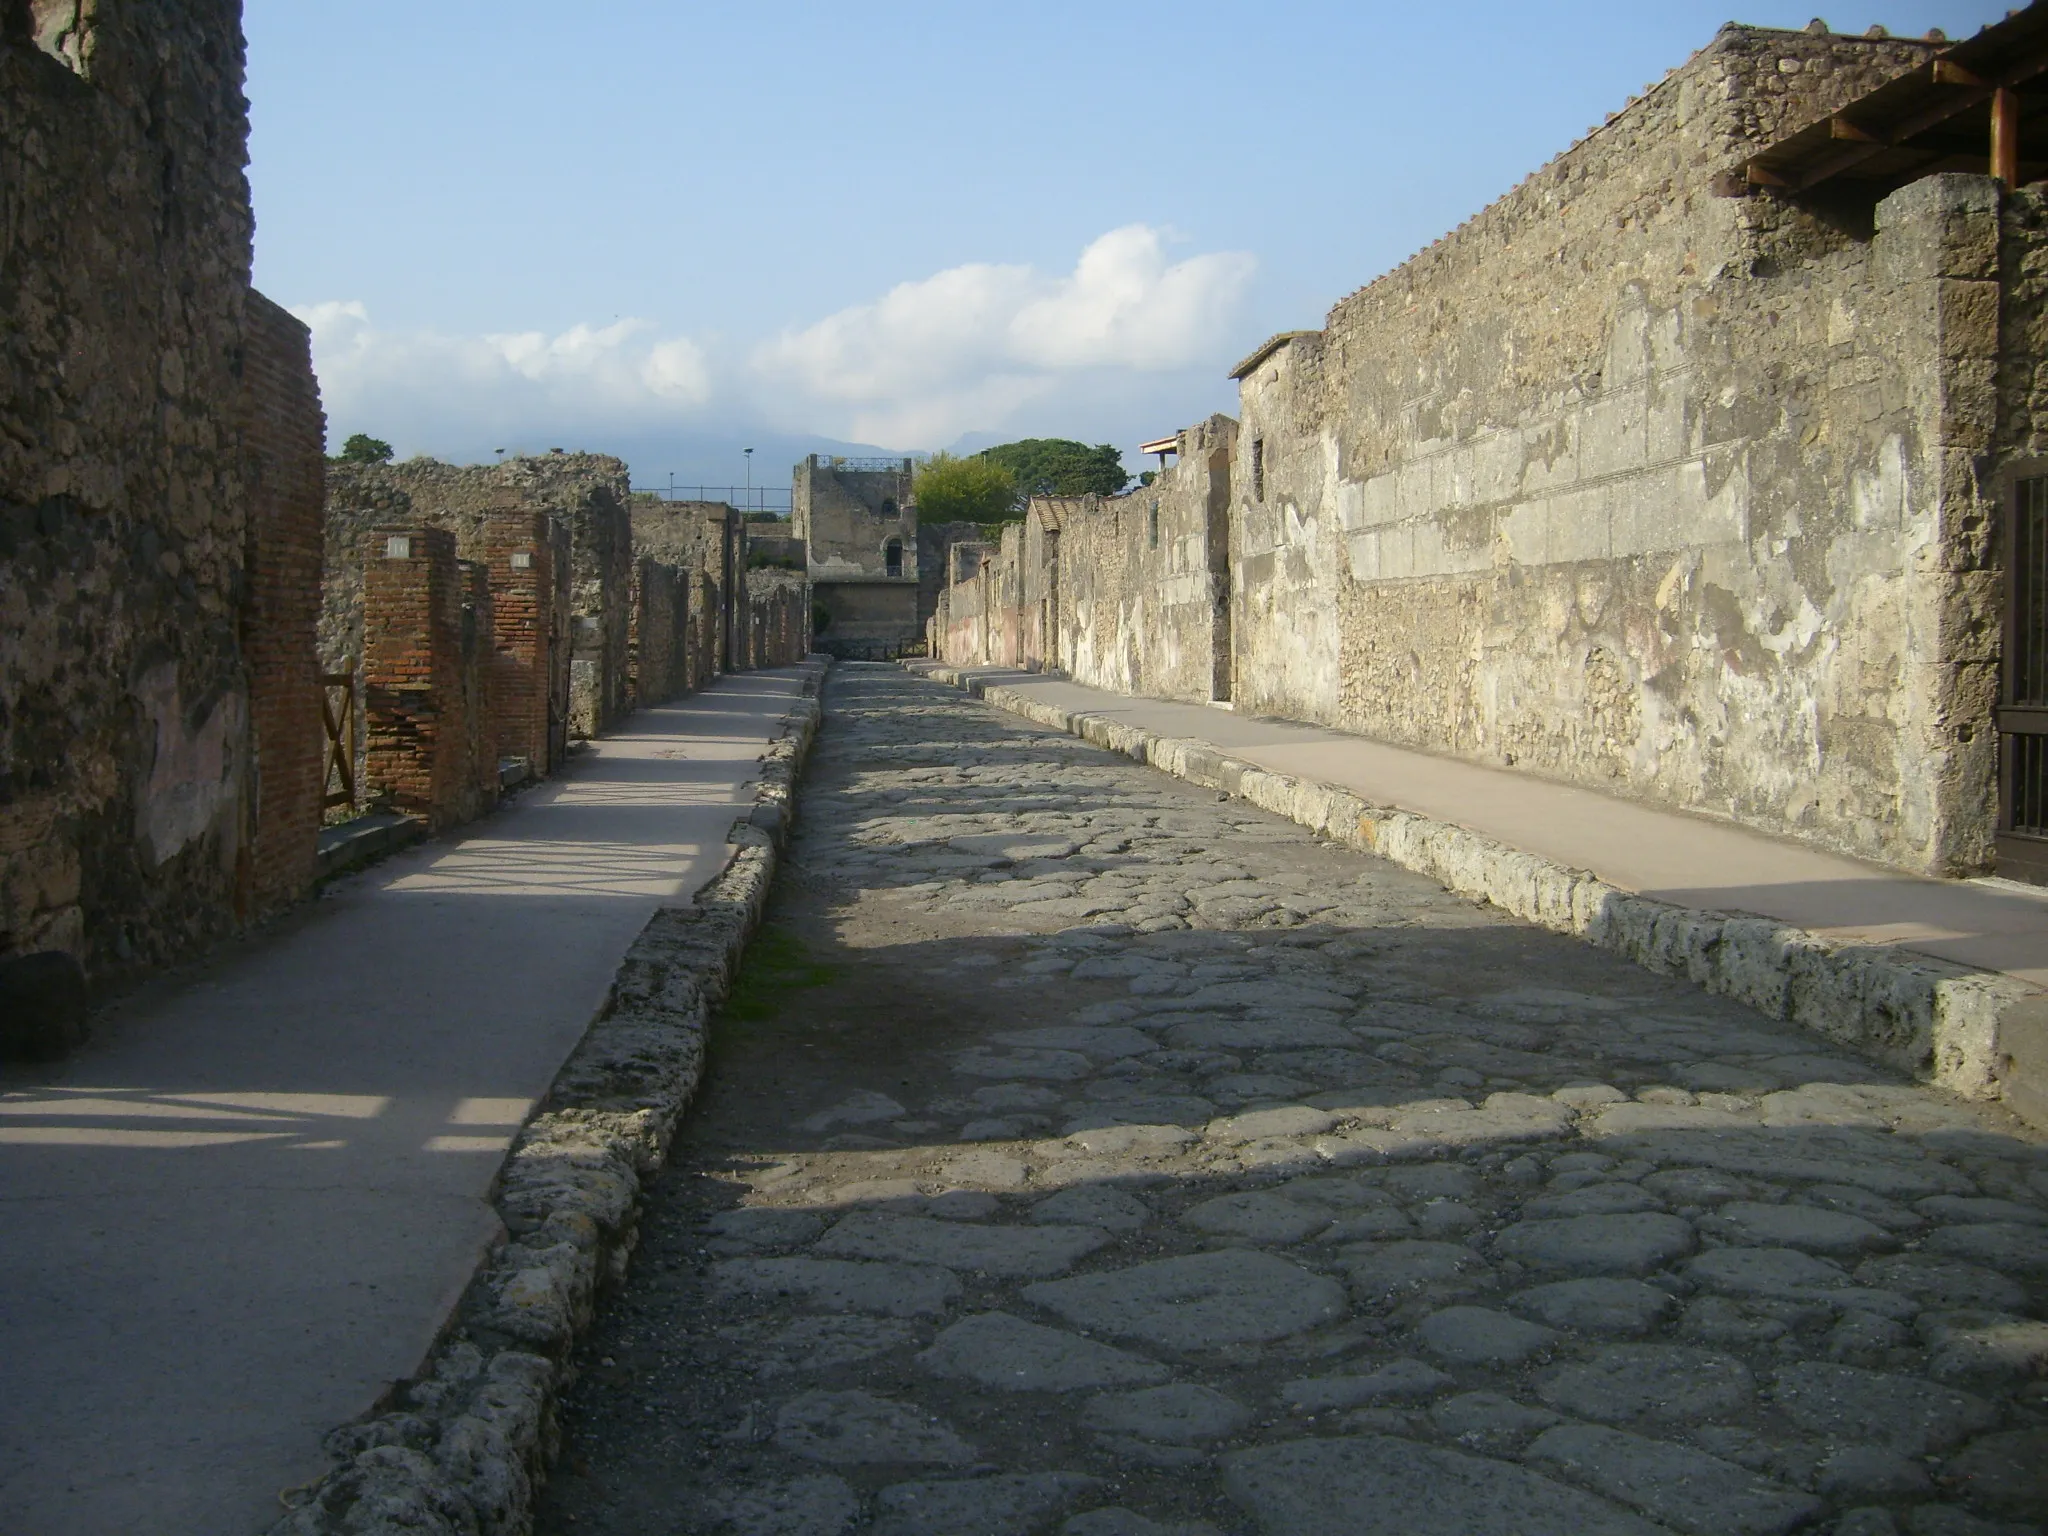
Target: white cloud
(427, 388)
(964, 350)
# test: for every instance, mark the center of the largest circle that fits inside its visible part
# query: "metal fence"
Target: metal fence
(748, 498)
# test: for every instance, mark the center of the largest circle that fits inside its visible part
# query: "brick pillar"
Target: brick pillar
(520, 560)
(412, 672)
(283, 435)
(479, 767)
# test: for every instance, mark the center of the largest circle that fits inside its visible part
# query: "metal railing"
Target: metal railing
(867, 466)
(754, 498)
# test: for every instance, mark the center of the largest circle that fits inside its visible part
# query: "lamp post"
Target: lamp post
(750, 477)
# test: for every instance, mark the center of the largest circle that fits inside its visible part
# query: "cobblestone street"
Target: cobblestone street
(1084, 1153)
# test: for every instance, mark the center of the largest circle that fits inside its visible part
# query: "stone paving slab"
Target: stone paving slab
(1942, 978)
(247, 1207)
(1524, 1280)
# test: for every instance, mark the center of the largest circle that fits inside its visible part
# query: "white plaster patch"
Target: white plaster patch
(194, 774)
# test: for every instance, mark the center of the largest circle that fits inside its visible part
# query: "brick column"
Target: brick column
(412, 677)
(478, 790)
(521, 564)
(282, 448)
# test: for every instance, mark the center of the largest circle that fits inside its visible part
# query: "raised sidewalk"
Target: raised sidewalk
(1942, 978)
(248, 1206)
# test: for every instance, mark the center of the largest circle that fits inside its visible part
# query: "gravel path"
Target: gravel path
(1083, 1154)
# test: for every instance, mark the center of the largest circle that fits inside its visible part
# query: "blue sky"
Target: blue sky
(666, 230)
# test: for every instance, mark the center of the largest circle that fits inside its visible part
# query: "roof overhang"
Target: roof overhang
(1980, 106)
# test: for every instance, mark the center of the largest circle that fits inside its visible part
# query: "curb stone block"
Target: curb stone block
(476, 1431)
(1941, 1022)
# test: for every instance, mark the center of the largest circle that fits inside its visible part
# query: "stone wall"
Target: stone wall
(1630, 481)
(586, 496)
(658, 648)
(847, 516)
(130, 785)
(778, 628)
(1122, 592)
(1636, 485)
(858, 524)
(706, 537)
(1142, 580)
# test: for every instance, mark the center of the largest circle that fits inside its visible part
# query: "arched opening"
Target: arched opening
(892, 557)
(888, 506)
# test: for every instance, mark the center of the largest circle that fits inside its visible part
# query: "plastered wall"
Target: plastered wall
(1682, 495)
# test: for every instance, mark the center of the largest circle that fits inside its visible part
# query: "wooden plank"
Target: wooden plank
(2005, 136)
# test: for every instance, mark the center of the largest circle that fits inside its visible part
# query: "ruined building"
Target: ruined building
(1699, 468)
(160, 460)
(858, 525)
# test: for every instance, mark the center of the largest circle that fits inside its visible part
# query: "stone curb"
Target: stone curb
(1945, 1024)
(461, 1449)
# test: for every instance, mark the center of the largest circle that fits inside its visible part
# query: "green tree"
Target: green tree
(1058, 466)
(364, 449)
(972, 490)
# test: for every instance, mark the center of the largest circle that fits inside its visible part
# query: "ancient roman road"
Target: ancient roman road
(1084, 1154)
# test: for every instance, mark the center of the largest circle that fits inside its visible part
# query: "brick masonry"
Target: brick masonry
(282, 432)
(518, 552)
(425, 676)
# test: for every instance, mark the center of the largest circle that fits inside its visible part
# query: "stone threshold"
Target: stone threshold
(464, 1445)
(1978, 1034)
(350, 845)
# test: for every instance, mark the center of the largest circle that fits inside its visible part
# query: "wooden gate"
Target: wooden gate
(339, 717)
(2023, 684)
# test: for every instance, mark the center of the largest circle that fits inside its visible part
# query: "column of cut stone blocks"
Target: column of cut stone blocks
(411, 678)
(520, 560)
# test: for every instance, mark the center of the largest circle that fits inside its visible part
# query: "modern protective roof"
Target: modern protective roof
(1937, 116)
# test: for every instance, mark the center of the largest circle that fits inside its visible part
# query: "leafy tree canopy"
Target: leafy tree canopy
(1058, 466)
(973, 490)
(364, 449)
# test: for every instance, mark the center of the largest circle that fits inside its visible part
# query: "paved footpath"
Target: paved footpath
(1690, 861)
(229, 1224)
(1081, 1153)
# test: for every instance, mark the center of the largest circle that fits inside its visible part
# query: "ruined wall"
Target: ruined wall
(859, 528)
(1140, 594)
(518, 552)
(1652, 489)
(847, 516)
(778, 617)
(427, 676)
(282, 434)
(707, 537)
(126, 770)
(935, 545)
(586, 496)
(658, 653)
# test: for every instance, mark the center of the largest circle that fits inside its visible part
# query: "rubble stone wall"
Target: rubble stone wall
(1142, 579)
(706, 537)
(129, 789)
(659, 640)
(584, 493)
(1667, 492)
